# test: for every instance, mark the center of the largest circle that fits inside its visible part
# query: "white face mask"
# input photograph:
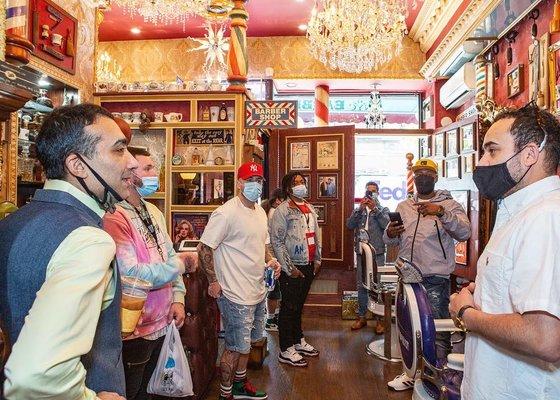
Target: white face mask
(300, 191)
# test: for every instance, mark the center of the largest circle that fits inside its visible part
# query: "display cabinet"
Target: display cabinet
(197, 139)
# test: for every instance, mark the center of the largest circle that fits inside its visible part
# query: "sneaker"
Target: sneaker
(306, 349)
(359, 324)
(292, 357)
(401, 382)
(271, 325)
(246, 390)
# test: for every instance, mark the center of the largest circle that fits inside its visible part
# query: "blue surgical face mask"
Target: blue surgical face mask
(252, 191)
(150, 185)
(300, 191)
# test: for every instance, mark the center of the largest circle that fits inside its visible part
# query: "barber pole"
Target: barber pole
(480, 74)
(322, 105)
(16, 17)
(237, 60)
(409, 175)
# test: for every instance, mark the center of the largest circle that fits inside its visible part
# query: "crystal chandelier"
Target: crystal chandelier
(356, 35)
(164, 11)
(216, 45)
(375, 118)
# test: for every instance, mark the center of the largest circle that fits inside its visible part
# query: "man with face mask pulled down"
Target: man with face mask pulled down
(512, 311)
(234, 252)
(145, 251)
(432, 222)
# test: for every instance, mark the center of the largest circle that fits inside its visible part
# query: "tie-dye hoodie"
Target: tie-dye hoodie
(137, 255)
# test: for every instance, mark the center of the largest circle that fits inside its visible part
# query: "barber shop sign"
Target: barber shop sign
(271, 114)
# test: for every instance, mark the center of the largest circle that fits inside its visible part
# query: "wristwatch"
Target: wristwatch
(440, 212)
(460, 320)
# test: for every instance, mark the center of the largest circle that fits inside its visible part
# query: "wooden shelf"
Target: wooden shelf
(190, 124)
(203, 168)
(193, 208)
(156, 196)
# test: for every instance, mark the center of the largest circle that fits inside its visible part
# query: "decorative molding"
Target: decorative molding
(432, 19)
(475, 13)
(289, 56)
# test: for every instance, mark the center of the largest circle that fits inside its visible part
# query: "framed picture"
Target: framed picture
(424, 147)
(453, 168)
(439, 144)
(300, 156)
(327, 185)
(515, 81)
(461, 248)
(327, 155)
(441, 169)
(307, 178)
(451, 142)
(188, 226)
(469, 162)
(467, 138)
(321, 214)
(427, 108)
(218, 188)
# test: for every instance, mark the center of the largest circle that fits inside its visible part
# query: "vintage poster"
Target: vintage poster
(327, 155)
(300, 156)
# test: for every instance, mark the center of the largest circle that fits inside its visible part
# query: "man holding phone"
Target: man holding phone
(431, 223)
(373, 218)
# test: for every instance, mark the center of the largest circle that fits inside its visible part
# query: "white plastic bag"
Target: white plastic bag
(172, 376)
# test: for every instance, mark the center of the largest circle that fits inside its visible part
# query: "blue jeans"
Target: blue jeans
(437, 289)
(362, 291)
(243, 325)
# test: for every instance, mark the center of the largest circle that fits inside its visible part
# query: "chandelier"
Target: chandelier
(356, 35)
(164, 11)
(375, 118)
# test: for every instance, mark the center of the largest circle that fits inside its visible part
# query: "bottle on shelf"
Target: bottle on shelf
(205, 114)
(222, 116)
(210, 156)
(25, 165)
(195, 158)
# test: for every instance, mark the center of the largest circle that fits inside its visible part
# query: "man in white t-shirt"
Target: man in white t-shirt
(234, 252)
(513, 310)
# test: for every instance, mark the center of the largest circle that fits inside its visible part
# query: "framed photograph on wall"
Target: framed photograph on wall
(307, 178)
(439, 144)
(467, 138)
(424, 147)
(515, 81)
(327, 185)
(453, 168)
(428, 108)
(321, 212)
(451, 138)
(468, 163)
(327, 155)
(300, 156)
(188, 226)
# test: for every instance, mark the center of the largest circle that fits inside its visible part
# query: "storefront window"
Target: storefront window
(382, 159)
(401, 110)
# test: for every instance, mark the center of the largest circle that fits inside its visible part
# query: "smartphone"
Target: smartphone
(369, 194)
(396, 217)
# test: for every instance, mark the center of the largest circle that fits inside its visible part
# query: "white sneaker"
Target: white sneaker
(401, 382)
(292, 357)
(306, 349)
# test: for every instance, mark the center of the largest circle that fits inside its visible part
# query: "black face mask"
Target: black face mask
(110, 196)
(424, 184)
(494, 181)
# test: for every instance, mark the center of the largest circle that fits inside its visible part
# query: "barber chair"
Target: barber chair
(381, 284)
(417, 339)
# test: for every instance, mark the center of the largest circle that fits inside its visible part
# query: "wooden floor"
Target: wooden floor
(343, 370)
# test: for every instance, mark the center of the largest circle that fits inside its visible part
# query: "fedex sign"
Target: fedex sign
(392, 189)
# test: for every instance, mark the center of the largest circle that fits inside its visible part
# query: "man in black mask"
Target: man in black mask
(512, 312)
(433, 221)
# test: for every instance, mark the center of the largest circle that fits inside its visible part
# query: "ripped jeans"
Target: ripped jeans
(438, 289)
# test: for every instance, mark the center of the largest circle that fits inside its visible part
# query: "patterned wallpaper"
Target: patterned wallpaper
(84, 75)
(145, 60)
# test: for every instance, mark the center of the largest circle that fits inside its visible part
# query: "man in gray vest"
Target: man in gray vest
(59, 292)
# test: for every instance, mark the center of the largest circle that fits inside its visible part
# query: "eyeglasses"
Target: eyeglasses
(532, 105)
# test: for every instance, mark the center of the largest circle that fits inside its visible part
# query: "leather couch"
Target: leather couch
(199, 333)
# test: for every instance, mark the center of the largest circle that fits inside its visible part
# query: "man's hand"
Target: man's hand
(463, 298)
(214, 289)
(316, 267)
(177, 313)
(394, 229)
(109, 396)
(367, 202)
(296, 273)
(275, 265)
(429, 209)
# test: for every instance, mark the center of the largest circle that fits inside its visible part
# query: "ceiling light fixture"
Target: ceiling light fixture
(135, 30)
(164, 11)
(356, 35)
(302, 27)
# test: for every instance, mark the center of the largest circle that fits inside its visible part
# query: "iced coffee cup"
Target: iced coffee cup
(134, 294)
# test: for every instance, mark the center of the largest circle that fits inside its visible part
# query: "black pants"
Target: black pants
(140, 357)
(294, 292)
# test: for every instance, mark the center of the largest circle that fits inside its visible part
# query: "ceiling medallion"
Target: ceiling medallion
(356, 35)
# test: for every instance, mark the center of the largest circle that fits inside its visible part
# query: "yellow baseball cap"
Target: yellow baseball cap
(425, 163)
